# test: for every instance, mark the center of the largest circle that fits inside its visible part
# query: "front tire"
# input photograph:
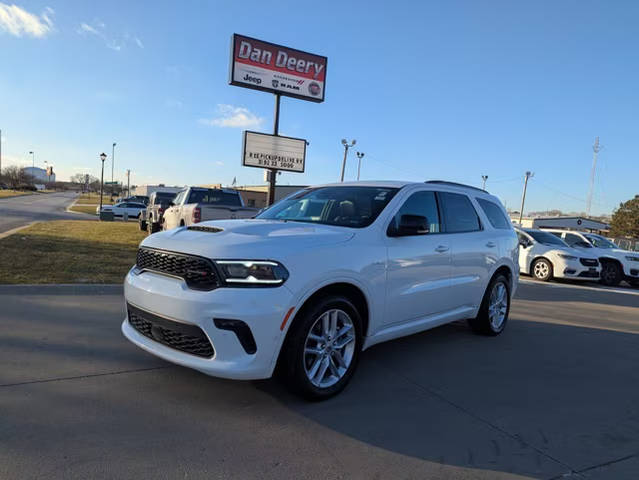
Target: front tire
(542, 270)
(142, 225)
(494, 309)
(610, 274)
(322, 349)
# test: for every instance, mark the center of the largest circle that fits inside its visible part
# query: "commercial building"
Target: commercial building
(147, 190)
(39, 174)
(566, 223)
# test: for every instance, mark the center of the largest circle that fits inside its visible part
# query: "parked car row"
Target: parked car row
(552, 253)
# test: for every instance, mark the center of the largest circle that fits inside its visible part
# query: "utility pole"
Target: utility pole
(595, 152)
(128, 183)
(523, 197)
(346, 147)
(103, 158)
(112, 162)
(360, 155)
(0, 154)
(483, 181)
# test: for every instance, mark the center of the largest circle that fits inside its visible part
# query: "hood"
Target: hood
(249, 238)
(574, 252)
(618, 253)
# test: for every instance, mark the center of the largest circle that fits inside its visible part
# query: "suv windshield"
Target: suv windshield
(600, 242)
(215, 197)
(545, 238)
(344, 206)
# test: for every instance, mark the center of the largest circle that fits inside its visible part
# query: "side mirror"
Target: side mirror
(411, 225)
(171, 204)
(525, 243)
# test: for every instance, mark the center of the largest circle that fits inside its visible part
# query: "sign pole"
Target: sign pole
(273, 171)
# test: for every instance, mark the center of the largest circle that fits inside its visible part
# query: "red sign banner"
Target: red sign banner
(277, 69)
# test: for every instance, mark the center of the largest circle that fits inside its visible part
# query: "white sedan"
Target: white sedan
(131, 209)
(544, 256)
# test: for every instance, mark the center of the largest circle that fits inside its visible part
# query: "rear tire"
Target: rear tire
(320, 358)
(495, 308)
(542, 270)
(610, 274)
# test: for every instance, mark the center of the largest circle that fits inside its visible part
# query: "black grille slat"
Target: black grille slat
(179, 336)
(589, 262)
(198, 273)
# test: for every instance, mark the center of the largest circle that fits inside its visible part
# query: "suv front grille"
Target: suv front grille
(180, 336)
(589, 262)
(198, 273)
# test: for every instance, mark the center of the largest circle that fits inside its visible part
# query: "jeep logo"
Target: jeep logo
(255, 80)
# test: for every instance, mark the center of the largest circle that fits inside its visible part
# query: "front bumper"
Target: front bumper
(574, 270)
(262, 309)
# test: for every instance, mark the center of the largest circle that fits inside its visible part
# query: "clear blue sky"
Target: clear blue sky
(440, 89)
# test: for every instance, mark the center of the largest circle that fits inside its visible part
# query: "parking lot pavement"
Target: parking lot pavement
(19, 211)
(557, 394)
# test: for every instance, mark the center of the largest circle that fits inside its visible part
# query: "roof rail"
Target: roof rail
(454, 184)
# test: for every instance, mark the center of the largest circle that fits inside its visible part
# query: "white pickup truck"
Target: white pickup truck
(195, 204)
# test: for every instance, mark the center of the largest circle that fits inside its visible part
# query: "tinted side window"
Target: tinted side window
(571, 239)
(494, 213)
(459, 214)
(423, 204)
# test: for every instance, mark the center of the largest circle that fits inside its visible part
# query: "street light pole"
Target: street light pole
(128, 183)
(32, 159)
(103, 158)
(483, 181)
(523, 197)
(346, 147)
(360, 155)
(112, 162)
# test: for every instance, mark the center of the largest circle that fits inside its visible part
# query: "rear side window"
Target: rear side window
(423, 204)
(459, 214)
(494, 213)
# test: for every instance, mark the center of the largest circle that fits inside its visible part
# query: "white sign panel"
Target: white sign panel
(273, 151)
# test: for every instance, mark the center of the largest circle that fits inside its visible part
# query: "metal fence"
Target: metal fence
(627, 244)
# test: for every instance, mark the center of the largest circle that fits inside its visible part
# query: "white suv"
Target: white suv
(616, 264)
(320, 276)
(544, 256)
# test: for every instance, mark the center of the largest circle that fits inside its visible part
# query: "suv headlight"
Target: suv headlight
(249, 273)
(567, 257)
(632, 259)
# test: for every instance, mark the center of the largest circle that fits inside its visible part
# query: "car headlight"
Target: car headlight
(632, 259)
(567, 257)
(256, 273)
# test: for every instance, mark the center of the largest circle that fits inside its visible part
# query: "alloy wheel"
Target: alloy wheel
(498, 306)
(329, 348)
(541, 269)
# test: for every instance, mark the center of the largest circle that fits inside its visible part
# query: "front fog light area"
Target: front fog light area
(253, 272)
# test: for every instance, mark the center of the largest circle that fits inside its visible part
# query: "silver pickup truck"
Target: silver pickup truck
(196, 204)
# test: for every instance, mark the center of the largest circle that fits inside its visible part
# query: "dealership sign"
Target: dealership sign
(277, 69)
(273, 151)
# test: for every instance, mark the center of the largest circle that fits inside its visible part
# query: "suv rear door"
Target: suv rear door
(473, 249)
(418, 268)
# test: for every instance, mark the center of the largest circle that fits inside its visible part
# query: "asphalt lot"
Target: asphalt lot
(555, 396)
(19, 211)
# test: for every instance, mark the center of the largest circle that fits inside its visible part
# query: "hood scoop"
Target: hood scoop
(204, 228)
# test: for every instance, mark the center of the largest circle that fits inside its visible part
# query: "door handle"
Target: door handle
(441, 249)
(491, 245)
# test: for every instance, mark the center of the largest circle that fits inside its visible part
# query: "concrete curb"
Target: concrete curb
(63, 289)
(15, 230)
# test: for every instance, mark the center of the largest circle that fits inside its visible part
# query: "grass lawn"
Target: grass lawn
(70, 251)
(13, 193)
(93, 199)
(83, 209)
